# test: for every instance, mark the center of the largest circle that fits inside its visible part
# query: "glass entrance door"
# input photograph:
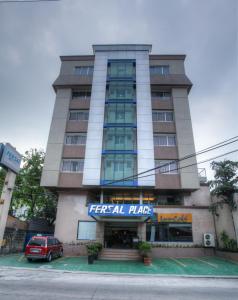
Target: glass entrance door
(120, 235)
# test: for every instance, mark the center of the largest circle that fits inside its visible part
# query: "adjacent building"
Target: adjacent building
(121, 112)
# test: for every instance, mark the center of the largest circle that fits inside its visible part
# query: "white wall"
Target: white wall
(145, 158)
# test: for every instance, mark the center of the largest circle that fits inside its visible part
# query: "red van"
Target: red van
(43, 247)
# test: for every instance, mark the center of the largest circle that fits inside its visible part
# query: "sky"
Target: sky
(34, 35)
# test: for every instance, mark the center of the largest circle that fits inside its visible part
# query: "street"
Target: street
(38, 284)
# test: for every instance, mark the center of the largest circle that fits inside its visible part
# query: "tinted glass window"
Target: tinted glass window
(37, 242)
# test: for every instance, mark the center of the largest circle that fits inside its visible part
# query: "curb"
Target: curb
(122, 274)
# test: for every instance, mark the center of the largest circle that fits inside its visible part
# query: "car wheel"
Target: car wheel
(29, 259)
(49, 257)
(61, 253)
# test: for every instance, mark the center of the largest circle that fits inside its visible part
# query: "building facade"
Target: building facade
(118, 113)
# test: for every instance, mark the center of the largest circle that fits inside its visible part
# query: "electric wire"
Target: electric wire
(194, 164)
(210, 148)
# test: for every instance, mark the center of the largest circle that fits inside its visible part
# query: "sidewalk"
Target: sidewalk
(201, 266)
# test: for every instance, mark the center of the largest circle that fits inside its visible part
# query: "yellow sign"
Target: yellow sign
(175, 218)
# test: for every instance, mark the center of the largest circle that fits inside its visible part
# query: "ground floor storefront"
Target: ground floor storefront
(120, 221)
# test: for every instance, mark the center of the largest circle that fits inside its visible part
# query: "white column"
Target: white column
(5, 202)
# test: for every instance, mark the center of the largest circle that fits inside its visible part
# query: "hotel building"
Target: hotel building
(120, 112)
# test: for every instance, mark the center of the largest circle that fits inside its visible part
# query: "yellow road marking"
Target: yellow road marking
(206, 262)
(178, 262)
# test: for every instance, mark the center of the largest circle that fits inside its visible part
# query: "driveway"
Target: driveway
(201, 266)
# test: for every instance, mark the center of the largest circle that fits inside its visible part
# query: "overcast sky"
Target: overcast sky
(34, 35)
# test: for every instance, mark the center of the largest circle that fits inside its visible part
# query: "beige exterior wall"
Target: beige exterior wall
(72, 208)
(51, 169)
(185, 141)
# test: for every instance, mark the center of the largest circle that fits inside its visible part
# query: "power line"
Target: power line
(201, 162)
(210, 148)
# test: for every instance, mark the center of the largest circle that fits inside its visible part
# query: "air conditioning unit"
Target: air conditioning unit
(208, 240)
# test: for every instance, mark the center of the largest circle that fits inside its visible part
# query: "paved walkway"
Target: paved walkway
(204, 266)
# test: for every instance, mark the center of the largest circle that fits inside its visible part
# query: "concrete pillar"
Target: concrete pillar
(5, 202)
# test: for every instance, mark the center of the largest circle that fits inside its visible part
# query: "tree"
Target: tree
(224, 185)
(28, 194)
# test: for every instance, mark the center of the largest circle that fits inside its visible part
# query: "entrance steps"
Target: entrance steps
(119, 254)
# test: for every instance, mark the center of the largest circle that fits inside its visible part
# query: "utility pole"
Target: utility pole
(10, 160)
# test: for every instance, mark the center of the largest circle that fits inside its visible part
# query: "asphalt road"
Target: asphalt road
(36, 284)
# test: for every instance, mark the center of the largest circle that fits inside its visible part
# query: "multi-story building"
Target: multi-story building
(121, 112)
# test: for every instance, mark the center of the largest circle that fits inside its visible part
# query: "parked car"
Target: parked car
(43, 247)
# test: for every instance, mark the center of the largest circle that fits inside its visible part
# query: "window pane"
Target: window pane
(78, 115)
(120, 91)
(72, 165)
(121, 69)
(119, 138)
(118, 166)
(76, 139)
(171, 140)
(159, 70)
(87, 231)
(169, 116)
(83, 71)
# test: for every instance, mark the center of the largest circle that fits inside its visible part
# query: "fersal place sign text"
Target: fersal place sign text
(120, 210)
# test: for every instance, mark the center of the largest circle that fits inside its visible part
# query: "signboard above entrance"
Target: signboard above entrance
(120, 210)
(175, 218)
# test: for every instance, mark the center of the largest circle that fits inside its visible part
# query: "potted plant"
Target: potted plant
(145, 249)
(98, 248)
(91, 253)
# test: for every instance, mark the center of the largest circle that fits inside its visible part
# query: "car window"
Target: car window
(37, 242)
(50, 242)
(57, 241)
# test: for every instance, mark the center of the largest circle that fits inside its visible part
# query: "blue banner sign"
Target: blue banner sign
(10, 158)
(120, 210)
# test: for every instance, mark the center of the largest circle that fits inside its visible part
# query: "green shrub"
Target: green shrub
(144, 248)
(92, 249)
(228, 243)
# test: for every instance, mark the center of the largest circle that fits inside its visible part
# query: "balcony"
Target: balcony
(202, 175)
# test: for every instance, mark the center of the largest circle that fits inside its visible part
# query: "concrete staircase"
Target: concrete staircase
(119, 254)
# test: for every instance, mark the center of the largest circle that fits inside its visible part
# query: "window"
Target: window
(120, 91)
(84, 71)
(149, 198)
(81, 95)
(121, 69)
(166, 166)
(78, 115)
(164, 140)
(119, 138)
(120, 113)
(159, 70)
(121, 198)
(72, 165)
(75, 139)
(169, 232)
(162, 116)
(118, 166)
(86, 230)
(161, 95)
(37, 242)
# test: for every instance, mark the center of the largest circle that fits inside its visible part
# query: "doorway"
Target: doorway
(120, 235)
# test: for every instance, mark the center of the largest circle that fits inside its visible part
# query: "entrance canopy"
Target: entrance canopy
(120, 212)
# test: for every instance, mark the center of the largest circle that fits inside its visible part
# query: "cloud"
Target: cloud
(33, 35)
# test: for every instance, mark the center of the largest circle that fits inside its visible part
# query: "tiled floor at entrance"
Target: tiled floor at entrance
(212, 266)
